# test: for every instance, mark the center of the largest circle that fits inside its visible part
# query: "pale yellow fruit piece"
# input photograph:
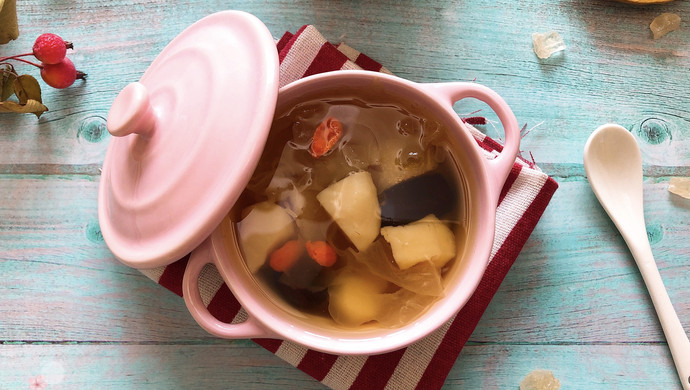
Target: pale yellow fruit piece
(265, 227)
(9, 29)
(428, 239)
(353, 204)
(391, 172)
(355, 298)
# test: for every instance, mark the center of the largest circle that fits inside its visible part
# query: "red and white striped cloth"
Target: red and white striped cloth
(425, 364)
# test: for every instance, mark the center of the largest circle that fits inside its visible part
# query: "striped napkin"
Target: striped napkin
(425, 364)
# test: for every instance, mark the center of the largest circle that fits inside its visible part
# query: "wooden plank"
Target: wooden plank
(561, 99)
(629, 366)
(48, 302)
(247, 366)
(147, 366)
(58, 271)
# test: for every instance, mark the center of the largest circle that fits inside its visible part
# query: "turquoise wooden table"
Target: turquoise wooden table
(573, 303)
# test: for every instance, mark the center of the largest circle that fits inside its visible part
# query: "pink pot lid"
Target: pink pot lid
(187, 138)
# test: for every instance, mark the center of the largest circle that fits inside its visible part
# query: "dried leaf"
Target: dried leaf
(9, 29)
(31, 106)
(7, 78)
(27, 88)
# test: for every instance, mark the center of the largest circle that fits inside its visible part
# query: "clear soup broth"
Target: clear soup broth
(355, 212)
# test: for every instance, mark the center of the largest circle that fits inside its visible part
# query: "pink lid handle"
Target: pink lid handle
(192, 297)
(500, 166)
(131, 112)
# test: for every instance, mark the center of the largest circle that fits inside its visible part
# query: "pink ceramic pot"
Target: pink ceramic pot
(485, 178)
(179, 160)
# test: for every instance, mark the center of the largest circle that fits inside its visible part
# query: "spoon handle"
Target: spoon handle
(676, 337)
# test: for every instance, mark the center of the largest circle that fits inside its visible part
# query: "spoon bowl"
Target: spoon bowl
(613, 165)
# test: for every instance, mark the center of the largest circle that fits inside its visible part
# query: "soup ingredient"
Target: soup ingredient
(286, 256)
(346, 270)
(9, 29)
(680, 186)
(422, 278)
(310, 301)
(322, 253)
(664, 24)
(401, 307)
(357, 297)
(544, 45)
(265, 227)
(354, 206)
(291, 270)
(354, 297)
(428, 239)
(50, 48)
(361, 148)
(407, 156)
(540, 380)
(325, 136)
(414, 198)
(302, 274)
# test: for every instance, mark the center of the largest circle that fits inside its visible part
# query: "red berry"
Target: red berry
(50, 48)
(60, 75)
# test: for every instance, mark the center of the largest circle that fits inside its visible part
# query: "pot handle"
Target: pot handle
(500, 166)
(192, 298)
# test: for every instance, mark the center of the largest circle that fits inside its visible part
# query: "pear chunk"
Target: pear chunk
(355, 298)
(428, 239)
(353, 203)
(265, 227)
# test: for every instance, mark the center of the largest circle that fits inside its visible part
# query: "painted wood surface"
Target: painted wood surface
(573, 303)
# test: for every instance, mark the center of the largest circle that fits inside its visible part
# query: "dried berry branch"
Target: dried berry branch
(56, 69)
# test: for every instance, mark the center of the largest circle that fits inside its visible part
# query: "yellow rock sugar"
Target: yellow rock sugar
(540, 380)
(680, 186)
(664, 24)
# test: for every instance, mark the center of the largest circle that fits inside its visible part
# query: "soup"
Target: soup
(355, 211)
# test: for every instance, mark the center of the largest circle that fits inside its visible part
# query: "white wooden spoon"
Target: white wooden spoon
(613, 165)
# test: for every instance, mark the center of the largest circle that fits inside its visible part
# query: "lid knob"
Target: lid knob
(131, 112)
